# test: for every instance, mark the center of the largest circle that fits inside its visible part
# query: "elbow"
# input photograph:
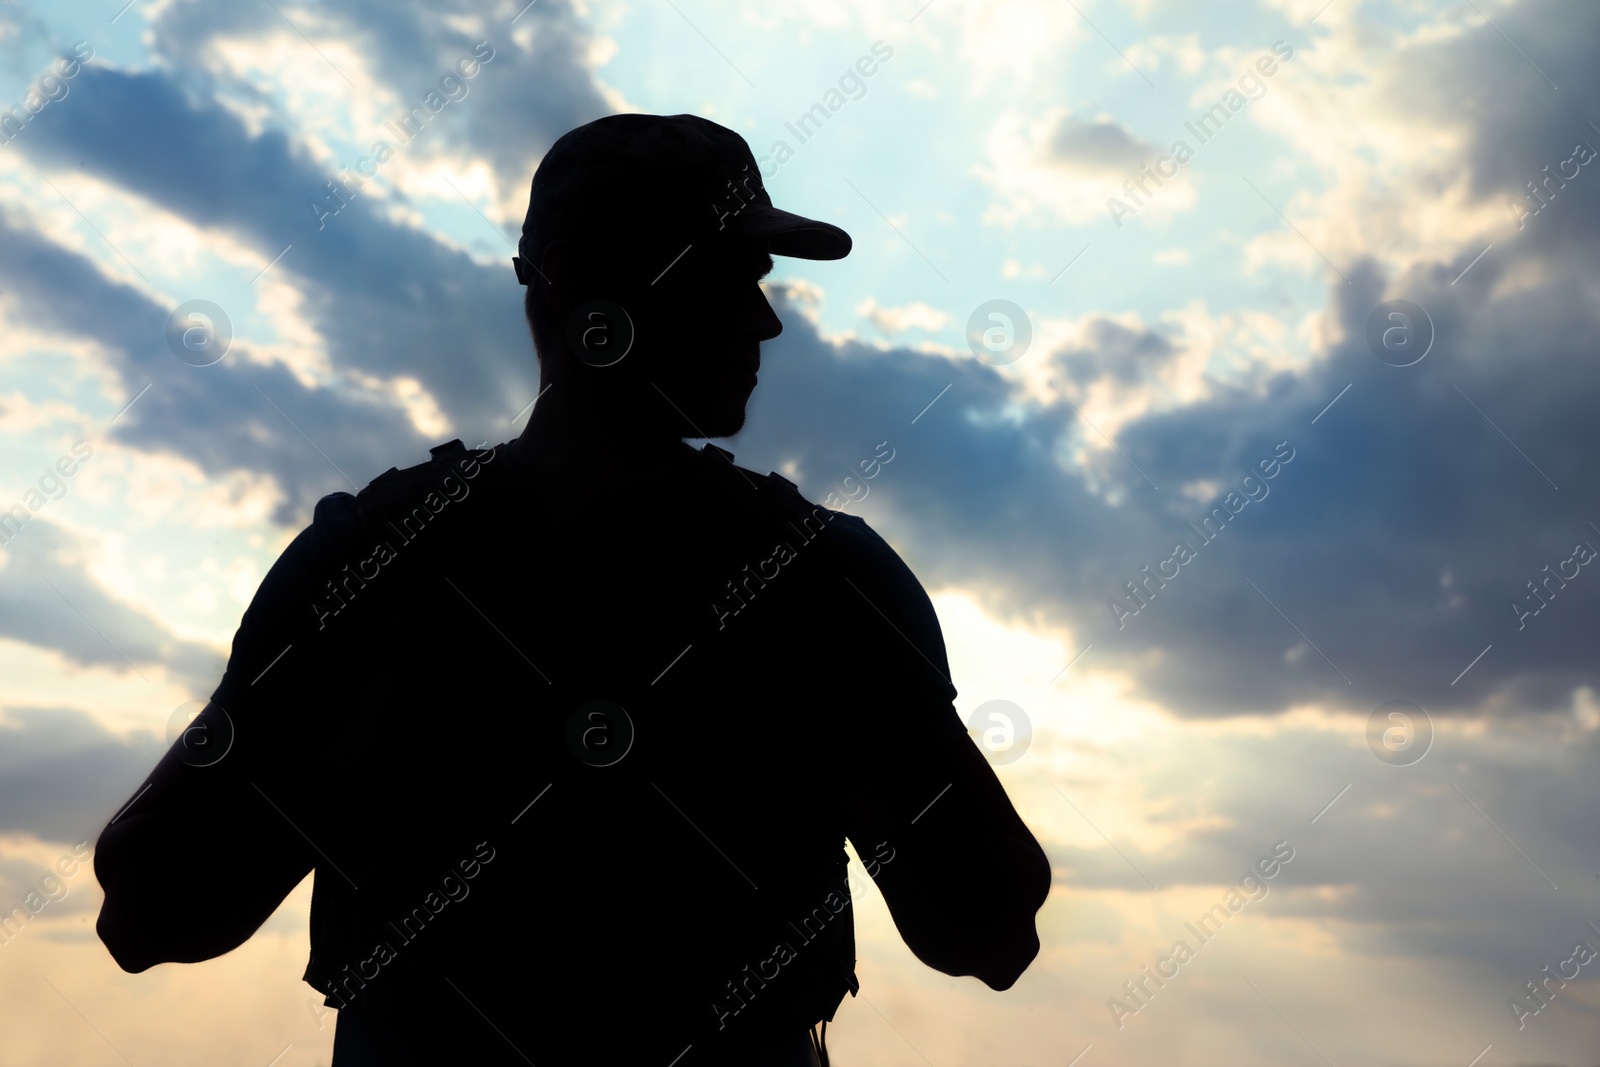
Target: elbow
(118, 931)
(996, 954)
(1024, 948)
(1015, 949)
(114, 931)
(137, 943)
(997, 960)
(995, 944)
(139, 932)
(126, 950)
(1002, 972)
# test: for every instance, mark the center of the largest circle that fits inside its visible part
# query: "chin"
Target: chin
(703, 409)
(724, 425)
(722, 420)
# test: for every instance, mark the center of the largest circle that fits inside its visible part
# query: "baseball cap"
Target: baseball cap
(672, 177)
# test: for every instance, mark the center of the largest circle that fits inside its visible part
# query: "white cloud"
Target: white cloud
(891, 321)
(1028, 180)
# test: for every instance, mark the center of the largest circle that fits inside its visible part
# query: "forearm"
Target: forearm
(142, 922)
(969, 911)
(191, 821)
(157, 911)
(968, 877)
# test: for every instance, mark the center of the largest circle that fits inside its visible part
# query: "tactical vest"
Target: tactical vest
(790, 967)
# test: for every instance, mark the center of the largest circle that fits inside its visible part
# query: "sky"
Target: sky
(1350, 319)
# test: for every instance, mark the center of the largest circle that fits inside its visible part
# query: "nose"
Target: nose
(765, 322)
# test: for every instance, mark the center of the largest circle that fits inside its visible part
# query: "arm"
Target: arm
(201, 858)
(967, 877)
(194, 866)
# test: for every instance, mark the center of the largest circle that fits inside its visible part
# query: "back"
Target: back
(514, 870)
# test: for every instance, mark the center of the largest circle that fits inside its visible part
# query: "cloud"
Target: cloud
(1356, 870)
(63, 776)
(426, 341)
(222, 421)
(388, 301)
(1349, 545)
(1099, 147)
(47, 599)
(890, 321)
(1386, 557)
(1055, 165)
(538, 85)
(1109, 349)
(1414, 472)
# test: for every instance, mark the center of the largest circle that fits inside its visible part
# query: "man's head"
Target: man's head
(645, 241)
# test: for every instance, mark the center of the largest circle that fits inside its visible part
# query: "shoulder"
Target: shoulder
(774, 496)
(343, 522)
(851, 542)
(450, 474)
(318, 574)
(878, 591)
(402, 503)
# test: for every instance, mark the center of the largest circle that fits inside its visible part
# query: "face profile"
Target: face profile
(719, 311)
(643, 251)
(682, 352)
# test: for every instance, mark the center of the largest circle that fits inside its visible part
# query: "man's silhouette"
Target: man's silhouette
(573, 729)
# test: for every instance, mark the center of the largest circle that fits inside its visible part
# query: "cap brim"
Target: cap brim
(793, 235)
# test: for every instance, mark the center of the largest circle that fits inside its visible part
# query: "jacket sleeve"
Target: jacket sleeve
(208, 847)
(967, 876)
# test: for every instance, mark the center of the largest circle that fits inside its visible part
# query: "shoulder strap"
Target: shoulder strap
(779, 499)
(436, 487)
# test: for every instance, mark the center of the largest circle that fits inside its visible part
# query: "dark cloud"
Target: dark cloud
(1523, 99)
(389, 300)
(1375, 865)
(1101, 145)
(990, 497)
(522, 100)
(1394, 540)
(63, 776)
(1387, 554)
(1111, 350)
(47, 599)
(221, 417)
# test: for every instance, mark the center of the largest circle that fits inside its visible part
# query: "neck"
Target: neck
(575, 439)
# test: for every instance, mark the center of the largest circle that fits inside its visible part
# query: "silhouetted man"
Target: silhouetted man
(573, 729)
